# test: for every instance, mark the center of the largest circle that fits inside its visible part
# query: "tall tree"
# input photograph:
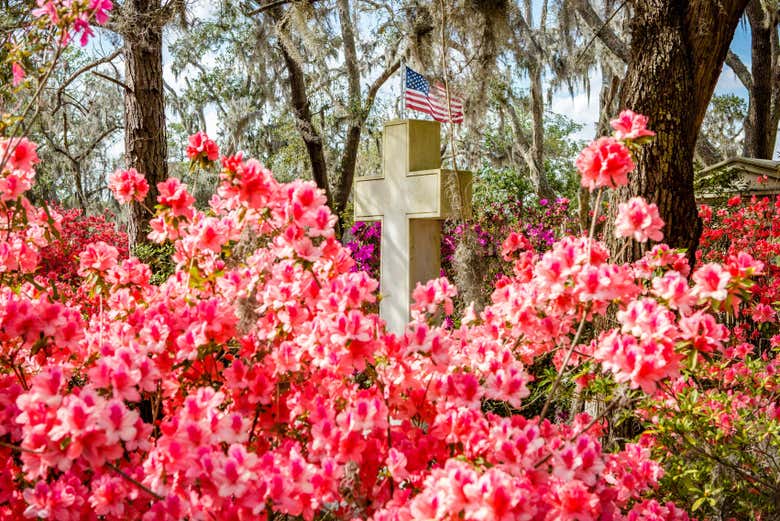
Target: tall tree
(722, 132)
(676, 54)
(497, 44)
(140, 23)
(76, 125)
(291, 28)
(762, 79)
(536, 57)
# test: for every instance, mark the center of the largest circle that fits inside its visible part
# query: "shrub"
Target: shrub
(717, 429)
(257, 385)
(60, 257)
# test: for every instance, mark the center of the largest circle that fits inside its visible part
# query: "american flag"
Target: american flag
(431, 99)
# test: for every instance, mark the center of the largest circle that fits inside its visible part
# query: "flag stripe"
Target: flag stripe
(421, 96)
(420, 101)
(414, 100)
(431, 109)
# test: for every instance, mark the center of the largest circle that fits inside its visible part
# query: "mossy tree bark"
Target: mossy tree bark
(677, 53)
(760, 125)
(146, 146)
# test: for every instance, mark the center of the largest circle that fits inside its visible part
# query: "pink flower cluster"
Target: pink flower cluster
(640, 220)
(200, 147)
(630, 126)
(607, 161)
(255, 382)
(18, 158)
(74, 16)
(128, 185)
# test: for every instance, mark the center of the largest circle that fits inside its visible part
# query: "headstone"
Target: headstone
(411, 197)
(746, 176)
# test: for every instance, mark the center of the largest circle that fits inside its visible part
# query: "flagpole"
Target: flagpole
(445, 72)
(403, 91)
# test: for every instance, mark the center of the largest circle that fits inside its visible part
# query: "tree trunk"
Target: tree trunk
(299, 100)
(677, 53)
(146, 147)
(536, 166)
(758, 132)
(356, 114)
(774, 118)
(80, 195)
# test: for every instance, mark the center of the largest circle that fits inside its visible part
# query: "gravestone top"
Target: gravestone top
(411, 196)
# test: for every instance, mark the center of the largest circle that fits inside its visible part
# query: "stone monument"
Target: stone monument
(411, 197)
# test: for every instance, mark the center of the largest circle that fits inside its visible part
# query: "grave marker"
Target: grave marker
(411, 197)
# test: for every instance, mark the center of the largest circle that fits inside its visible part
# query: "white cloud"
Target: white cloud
(581, 107)
(728, 83)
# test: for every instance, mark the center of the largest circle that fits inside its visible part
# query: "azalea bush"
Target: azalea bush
(475, 246)
(364, 244)
(255, 383)
(717, 430)
(60, 257)
(751, 225)
(542, 222)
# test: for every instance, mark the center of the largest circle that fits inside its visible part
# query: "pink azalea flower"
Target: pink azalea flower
(15, 183)
(47, 8)
(81, 25)
(128, 185)
(606, 162)
(174, 194)
(572, 500)
(99, 257)
(118, 422)
(21, 153)
(674, 289)
(18, 73)
(638, 219)
(641, 363)
(711, 282)
(763, 313)
(108, 494)
(513, 243)
(630, 126)
(100, 9)
(703, 331)
(200, 146)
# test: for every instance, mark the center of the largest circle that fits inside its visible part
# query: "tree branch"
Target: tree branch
(373, 89)
(55, 147)
(538, 52)
(116, 81)
(601, 30)
(87, 151)
(81, 71)
(301, 108)
(521, 138)
(271, 5)
(739, 68)
(134, 481)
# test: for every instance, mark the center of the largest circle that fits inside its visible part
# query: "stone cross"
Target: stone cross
(411, 197)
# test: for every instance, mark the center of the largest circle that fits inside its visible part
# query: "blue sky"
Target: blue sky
(728, 83)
